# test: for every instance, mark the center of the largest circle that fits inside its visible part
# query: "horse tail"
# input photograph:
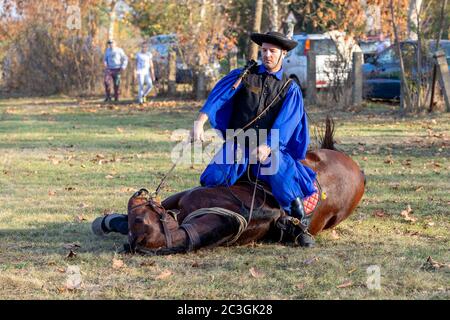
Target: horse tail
(327, 139)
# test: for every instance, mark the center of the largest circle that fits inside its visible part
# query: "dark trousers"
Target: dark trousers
(112, 77)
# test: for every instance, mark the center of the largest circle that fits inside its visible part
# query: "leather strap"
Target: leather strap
(169, 242)
(194, 238)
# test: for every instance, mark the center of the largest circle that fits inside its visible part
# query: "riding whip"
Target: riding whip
(245, 71)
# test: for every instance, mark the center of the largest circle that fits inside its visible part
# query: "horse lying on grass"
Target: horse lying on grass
(208, 217)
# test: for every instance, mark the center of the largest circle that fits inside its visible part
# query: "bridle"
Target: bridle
(163, 218)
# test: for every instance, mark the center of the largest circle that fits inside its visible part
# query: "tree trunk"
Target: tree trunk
(253, 49)
(112, 19)
(438, 39)
(413, 17)
(275, 17)
(405, 93)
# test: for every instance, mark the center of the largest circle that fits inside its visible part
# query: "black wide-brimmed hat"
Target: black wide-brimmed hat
(275, 38)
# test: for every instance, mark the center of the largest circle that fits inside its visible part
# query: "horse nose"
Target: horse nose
(135, 240)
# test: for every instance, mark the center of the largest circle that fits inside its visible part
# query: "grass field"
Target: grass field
(63, 162)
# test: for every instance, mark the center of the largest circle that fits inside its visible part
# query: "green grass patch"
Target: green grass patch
(66, 161)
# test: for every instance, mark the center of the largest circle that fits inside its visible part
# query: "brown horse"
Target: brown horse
(185, 221)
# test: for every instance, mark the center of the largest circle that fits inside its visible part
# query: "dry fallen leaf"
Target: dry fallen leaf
(71, 246)
(351, 271)
(80, 218)
(120, 129)
(299, 286)
(334, 235)
(71, 254)
(389, 160)
(345, 285)
(406, 214)
(431, 264)
(51, 193)
(256, 273)
(109, 177)
(311, 260)
(117, 263)
(379, 213)
(147, 264)
(163, 275)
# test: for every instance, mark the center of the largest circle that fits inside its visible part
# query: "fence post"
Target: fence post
(357, 81)
(172, 77)
(311, 89)
(443, 76)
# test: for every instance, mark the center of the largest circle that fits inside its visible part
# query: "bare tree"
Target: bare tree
(253, 48)
(438, 39)
(275, 22)
(405, 92)
(112, 19)
(413, 19)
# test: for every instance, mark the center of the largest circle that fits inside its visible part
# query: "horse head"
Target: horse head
(149, 224)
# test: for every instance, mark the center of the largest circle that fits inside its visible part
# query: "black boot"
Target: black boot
(301, 223)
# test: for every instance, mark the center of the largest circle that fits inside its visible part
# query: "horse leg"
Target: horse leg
(209, 230)
(172, 202)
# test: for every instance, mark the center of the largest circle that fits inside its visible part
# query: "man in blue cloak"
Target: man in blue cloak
(262, 98)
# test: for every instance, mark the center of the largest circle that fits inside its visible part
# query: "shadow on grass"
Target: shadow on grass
(58, 239)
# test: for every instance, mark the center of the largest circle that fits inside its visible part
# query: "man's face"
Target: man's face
(270, 55)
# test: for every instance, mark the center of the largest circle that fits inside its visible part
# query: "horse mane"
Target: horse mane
(327, 139)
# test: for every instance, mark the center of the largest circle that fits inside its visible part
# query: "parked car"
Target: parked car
(162, 44)
(328, 67)
(381, 74)
(370, 48)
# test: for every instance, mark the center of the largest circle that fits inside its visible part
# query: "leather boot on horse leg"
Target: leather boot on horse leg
(114, 222)
(287, 182)
(300, 224)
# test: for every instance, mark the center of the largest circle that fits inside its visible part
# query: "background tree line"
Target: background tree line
(42, 50)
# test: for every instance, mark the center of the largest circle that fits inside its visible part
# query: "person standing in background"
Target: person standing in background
(145, 72)
(115, 61)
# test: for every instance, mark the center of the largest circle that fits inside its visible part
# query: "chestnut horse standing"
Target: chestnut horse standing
(185, 221)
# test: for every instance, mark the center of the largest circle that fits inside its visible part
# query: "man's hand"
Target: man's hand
(262, 152)
(197, 132)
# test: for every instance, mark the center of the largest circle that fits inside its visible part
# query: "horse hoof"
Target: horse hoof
(305, 240)
(307, 245)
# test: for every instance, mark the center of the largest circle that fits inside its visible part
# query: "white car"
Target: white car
(329, 69)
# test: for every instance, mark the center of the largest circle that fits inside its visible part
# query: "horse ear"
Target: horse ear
(141, 193)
